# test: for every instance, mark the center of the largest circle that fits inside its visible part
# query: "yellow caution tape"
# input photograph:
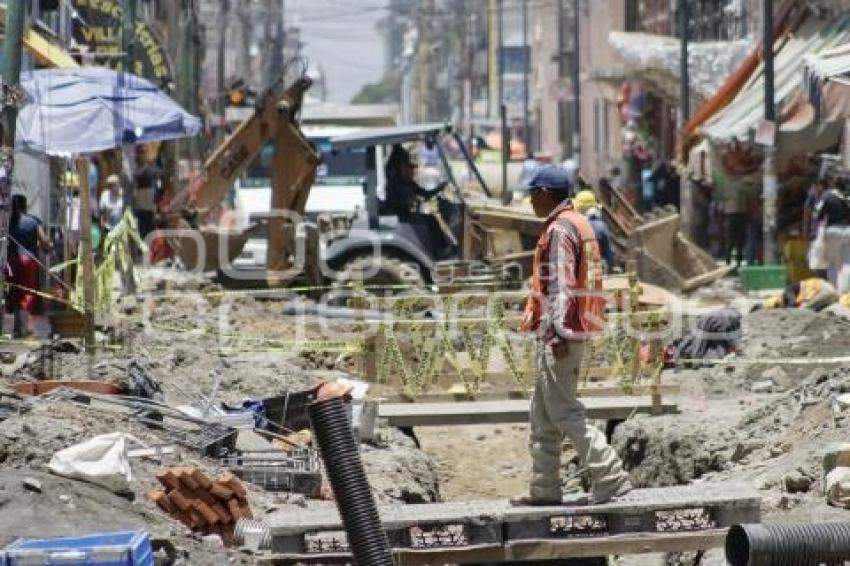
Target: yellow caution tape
(766, 361)
(44, 295)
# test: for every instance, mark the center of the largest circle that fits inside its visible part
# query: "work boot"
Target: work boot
(604, 494)
(529, 501)
(571, 500)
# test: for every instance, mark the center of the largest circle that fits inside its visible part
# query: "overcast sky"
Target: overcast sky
(340, 36)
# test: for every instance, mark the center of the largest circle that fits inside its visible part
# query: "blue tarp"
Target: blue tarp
(75, 111)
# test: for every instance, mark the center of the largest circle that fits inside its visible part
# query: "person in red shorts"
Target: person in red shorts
(26, 236)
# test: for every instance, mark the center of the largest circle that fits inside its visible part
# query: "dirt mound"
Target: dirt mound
(665, 451)
(400, 472)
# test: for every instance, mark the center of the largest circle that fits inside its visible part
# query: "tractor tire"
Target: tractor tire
(382, 276)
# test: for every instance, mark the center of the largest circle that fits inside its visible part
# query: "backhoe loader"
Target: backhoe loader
(292, 246)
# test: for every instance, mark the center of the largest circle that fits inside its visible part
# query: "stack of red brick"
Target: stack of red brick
(203, 505)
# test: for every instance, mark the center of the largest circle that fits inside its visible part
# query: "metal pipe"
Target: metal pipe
(369, 544)
(806, 544)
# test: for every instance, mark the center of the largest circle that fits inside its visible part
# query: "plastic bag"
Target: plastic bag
(838, 487)
(817, 250)
(103, 460)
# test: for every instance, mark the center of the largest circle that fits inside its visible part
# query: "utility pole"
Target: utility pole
(221, 71)
(684, 79)
(128, 35)
(188, 71)
(770, 184)
(503, 108)
(492, 13)
(15, 20)
(243, 14)
(500, 24)
(685, 202)
(423, 89)
(526, 62)
(576, 83)
(128, 63)
(507, 194)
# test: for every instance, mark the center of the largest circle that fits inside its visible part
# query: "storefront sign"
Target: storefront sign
(101, 33)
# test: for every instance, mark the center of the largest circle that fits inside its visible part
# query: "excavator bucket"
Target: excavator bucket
(666, 258)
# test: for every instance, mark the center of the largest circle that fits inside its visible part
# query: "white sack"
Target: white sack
(838, 487)
(103, 460)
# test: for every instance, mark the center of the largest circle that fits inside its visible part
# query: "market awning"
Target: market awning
(799, 131)
(74, 111)
(658, 58)
(826, 83)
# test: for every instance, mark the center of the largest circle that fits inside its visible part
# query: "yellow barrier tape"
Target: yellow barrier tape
(44, 295)
(768, 361)
(324, 345)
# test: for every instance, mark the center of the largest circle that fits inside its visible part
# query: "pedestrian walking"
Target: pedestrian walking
(111, 203)
(26, 237)
(565, 308)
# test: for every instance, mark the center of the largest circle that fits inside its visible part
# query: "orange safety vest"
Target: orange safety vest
(591, 306)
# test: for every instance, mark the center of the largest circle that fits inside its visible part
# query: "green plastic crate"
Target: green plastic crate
(756, 277)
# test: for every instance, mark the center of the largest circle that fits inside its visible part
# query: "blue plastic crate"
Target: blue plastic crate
(130, 548)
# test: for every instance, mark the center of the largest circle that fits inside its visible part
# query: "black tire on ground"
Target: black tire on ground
(388, 275)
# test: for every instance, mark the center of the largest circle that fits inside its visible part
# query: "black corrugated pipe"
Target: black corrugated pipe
(788, 545)
(353, 496)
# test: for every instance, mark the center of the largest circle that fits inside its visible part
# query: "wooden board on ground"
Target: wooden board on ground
(458, 393)
(509, 411)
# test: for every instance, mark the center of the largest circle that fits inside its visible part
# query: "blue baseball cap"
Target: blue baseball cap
(552, 178)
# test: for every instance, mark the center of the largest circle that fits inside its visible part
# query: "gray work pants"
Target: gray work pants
(556, 413)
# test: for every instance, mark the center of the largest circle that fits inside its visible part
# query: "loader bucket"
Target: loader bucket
(208, 248)
(666, 258)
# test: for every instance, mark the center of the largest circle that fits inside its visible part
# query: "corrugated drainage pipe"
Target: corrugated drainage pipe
(354, 500)
(788, 545)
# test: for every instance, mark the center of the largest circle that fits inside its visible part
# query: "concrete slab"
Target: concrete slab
(727, 495)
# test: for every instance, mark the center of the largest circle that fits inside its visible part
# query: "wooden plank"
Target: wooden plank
(509, 411)
(86, 257)
(590, 390)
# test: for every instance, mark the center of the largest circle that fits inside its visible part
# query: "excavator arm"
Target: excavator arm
(274, 119)
(293, 172)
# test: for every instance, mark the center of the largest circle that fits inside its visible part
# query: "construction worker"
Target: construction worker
(813, 293)
(565, 308)
(585, 203)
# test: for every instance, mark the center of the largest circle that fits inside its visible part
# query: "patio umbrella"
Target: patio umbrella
(76, 111)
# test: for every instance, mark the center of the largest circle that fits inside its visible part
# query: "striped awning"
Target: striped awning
(742, 116)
